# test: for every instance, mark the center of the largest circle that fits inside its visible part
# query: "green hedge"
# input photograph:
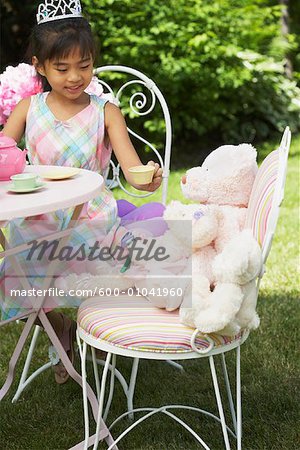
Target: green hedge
(220, 64)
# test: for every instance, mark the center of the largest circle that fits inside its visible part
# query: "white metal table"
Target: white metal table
(72, 192)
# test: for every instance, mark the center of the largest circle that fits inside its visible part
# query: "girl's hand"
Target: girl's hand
(157, 178)
(124, 151)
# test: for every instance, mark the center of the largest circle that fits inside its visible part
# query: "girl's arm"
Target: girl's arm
(15, 125)
(125, 153)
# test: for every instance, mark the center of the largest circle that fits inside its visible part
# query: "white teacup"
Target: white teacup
(25, 180)
(142, 174)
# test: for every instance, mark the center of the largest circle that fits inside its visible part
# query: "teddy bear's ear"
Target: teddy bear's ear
(248, 151)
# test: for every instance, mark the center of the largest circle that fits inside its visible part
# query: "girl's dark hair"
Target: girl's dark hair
(58, 38)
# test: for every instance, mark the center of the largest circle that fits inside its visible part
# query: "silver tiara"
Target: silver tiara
(58, 9)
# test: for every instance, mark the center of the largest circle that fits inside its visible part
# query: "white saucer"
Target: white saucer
(60, 173)
(11, 188)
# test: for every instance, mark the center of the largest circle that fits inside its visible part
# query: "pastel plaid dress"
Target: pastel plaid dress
(77, 142)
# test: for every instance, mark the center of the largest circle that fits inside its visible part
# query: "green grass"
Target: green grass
(49, 416)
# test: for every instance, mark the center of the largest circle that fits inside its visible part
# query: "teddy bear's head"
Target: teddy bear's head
(225, 177)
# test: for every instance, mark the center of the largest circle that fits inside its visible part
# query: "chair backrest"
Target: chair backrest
(138, 104)
(267, 195)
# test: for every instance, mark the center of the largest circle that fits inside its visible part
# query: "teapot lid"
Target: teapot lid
(6, 141)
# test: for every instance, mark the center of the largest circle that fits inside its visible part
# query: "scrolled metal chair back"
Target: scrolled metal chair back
(138, 106)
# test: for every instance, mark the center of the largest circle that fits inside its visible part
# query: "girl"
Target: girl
(67, 127)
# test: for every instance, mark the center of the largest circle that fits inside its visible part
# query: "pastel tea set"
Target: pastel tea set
(13, 162)
(142, 174)
(25, 182)
(12, 159)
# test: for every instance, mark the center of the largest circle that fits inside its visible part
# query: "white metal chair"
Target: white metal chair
(103, 324)
(143, 96)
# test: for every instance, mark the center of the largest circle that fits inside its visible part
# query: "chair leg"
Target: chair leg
(96, 373)
(101, 400)
(112, 385)
(219, 402)
(90, 440)
(84, 394)
(229, 393)
(131, 387)
(238, 399)
(128, 388)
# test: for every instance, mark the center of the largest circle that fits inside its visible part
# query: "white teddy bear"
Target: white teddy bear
(226, 259)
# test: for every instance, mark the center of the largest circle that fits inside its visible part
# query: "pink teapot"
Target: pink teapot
(12, 159)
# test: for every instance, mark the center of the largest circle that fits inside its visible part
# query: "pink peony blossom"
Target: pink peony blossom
(95, 87)
(16, 83)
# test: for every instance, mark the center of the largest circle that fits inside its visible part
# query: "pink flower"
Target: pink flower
(95, 87)
(16, 83)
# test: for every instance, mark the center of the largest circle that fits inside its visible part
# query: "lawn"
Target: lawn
(49, 416)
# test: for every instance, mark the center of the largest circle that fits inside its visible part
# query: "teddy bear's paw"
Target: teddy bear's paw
(98, 267)
(207, 323)
(224, 303)
(232, 329)
(82, 283)
(250, 322)
(65, 282)
(186, 316)
(179, 292)
(85, 285)
(240, 260)
(163, 289)
(247, 316)
(200, 287)
(204, 226)
(254, 323)
(173, 303)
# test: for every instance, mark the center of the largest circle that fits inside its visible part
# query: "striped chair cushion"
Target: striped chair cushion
(132, 323)
(261, 198)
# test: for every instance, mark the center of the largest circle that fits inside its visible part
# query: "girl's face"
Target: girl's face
(68, 77)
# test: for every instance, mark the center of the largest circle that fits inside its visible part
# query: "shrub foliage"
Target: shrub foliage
(219, 64)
